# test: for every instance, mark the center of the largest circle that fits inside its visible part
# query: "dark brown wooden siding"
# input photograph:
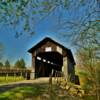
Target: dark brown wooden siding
(48, 44)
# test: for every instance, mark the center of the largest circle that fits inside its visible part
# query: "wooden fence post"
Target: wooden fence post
(26, 75)
(6, 76)
(50, 83)
(14, 76)
(21, 74)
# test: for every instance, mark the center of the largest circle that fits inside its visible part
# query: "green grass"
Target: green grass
(9, 79)
(35, 92)
(24, 92)
(39, 92)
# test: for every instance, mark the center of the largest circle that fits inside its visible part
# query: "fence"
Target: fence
(14, 72)
(58, 77)
(64, 84)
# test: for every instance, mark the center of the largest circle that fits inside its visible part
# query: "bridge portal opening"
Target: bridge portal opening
(46, 61)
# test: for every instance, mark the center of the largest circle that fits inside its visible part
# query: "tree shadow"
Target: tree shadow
(6, 88)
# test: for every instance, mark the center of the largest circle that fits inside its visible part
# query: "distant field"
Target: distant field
(8, 79)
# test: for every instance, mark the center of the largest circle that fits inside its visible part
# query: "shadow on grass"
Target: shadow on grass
(22, 91)
(5, 88)
(40, 91)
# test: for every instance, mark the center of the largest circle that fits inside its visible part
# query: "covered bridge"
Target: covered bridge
(49, 54)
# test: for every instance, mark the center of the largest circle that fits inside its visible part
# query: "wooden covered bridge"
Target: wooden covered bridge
(49, 54)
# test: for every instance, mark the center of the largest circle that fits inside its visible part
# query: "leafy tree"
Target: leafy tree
(20, 63)
(1, 64)
(7, 64)
(29, 12)
(17, 64)
(90, 71)
(88, 56)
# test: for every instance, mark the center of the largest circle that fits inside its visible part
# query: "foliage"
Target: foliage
(27, 13)
(90, 35)
(20, 63)
(88, 58)
(7, 64)
(1, 64)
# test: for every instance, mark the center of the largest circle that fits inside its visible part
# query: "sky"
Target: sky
(16, 48)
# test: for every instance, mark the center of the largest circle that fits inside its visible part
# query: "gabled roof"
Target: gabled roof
(43, 42)
(69, 53)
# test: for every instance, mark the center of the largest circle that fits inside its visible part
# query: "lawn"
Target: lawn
(25, 93)
(9, 79)
(35, 92)
(40, 91)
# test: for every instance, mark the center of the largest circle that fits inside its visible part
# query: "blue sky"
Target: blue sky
(16, 48)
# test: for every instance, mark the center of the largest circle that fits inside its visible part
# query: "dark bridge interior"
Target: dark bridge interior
(46, 61)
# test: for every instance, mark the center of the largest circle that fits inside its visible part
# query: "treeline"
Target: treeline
(20, 63)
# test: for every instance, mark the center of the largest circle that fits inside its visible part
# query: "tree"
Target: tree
(7, 64)
(1, 64)
(88, 57)
(90, 71)
(17, 64)
(29, 12)
(20, 63)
